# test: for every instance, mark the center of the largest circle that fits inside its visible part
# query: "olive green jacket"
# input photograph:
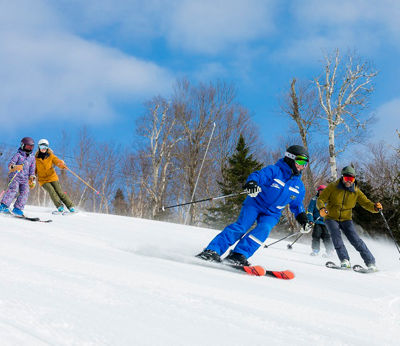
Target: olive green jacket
(340, 201)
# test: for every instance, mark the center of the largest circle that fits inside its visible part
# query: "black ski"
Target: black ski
(360, 269)
(333, 265)
(357, 268)
(34, 219)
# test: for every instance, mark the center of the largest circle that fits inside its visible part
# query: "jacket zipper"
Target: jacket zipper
(340, 214)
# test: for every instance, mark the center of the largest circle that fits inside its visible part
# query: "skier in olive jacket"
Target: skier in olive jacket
(336, 204)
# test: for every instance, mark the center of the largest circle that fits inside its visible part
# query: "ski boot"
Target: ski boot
(314, 253)
(237, 259)
(72, 210)
(209, 255)
(4, 209)
(345, 264)
(60, 209)
(372, 267)
(18, 212)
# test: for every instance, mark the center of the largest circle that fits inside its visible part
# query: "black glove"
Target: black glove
(302, 219)
(304, 222)
(252, 188)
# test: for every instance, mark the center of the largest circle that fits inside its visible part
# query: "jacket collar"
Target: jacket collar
(286, 170)
(46, 155)
(23, 152)
(341, 186)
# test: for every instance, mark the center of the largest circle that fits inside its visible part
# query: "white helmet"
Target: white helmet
(43, 144)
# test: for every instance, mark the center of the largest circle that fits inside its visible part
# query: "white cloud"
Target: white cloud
(210, 71)
(211, 26)
(205, 27)
(349, 13)
(367, 26)
(48, 71)
(388, 121)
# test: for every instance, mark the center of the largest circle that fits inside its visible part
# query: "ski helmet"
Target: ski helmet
(349, 170)
(27, 144)
(293, 154)
(320, 188)
(43, 144)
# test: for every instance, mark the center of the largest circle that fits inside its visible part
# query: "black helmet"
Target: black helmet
(27, 144)
(295, 152)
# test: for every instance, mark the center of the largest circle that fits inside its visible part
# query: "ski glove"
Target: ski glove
(32, 182)
(305, 224)
(323, 212)
(252, 188)
(63, 165)
(14, 168)
(378, 206)
(307, 228)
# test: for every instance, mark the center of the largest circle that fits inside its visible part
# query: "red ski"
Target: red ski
(249, 270)
(261, 271)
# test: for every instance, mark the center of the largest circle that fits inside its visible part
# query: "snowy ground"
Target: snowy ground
(91, 279)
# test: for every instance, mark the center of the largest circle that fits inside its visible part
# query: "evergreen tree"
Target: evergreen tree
(370, 222)
(119, 203)
(373, 223)
(234, 176)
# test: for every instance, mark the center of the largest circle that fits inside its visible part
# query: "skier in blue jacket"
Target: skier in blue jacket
(269, 191)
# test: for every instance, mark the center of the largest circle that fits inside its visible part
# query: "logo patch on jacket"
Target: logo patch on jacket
(292, 197)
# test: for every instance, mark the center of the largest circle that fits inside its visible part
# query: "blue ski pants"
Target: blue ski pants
(349, 231)
(249, 241)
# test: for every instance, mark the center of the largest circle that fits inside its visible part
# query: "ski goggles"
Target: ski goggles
(43, 146)
(301, 160)
(348, 178)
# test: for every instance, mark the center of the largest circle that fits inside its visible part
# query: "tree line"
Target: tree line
(201, 142)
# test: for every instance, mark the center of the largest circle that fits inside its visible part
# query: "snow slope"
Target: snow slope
(92, 279)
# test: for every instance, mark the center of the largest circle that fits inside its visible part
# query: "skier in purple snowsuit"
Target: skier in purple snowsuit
(22, 177)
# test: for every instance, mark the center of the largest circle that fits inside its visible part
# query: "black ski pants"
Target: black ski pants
(321, 232)
(347, 227)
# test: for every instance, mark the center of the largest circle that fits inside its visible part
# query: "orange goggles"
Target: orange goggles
(348, 178)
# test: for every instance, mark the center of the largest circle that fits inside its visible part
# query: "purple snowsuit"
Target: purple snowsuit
(20, 183)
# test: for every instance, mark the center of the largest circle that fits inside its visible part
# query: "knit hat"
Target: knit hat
(349, 170)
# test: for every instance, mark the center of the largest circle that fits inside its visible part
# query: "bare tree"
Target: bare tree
(301, 105)
(158, 126)
(133, 178)
(197, 108)
(343, 92)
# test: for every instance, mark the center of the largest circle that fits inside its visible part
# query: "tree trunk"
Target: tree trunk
(332, 153)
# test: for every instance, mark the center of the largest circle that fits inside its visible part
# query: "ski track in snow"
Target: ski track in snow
(92, 279)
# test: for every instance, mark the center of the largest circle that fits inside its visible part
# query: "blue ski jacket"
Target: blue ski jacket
(313, 212)
(279, 187)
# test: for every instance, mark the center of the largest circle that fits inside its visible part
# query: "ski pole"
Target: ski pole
(289, 246)
(288, 236)
(76, 175)
(4, 191)
(390, 231)
(204, 200)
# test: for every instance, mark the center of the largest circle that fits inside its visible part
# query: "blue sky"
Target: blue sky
(68, 63)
